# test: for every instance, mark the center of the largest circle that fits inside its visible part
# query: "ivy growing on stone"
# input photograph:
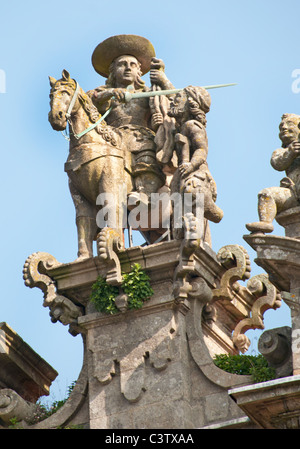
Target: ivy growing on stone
(136, 285)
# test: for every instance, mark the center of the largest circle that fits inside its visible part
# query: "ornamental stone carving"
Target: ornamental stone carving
(61, 308)
(282, 202)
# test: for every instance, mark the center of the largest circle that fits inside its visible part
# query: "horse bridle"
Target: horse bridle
(68, 116)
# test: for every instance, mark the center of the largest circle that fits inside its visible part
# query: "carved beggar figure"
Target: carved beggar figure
(273, 200)
(189, 108)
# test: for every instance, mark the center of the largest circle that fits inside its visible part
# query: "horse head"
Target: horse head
(61, 94)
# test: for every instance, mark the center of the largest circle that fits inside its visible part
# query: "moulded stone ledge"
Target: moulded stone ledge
(21, 368)
(274, 404)
(278, 256)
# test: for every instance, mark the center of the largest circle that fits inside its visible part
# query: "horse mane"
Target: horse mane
(88, 106)
(83, 97)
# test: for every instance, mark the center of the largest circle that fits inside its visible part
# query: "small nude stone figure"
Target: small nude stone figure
(273, 200)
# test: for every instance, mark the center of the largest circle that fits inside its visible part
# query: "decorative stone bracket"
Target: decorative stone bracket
(108, 243)
(260, 290)
(61, 308)
(237, 263)
(267, 298)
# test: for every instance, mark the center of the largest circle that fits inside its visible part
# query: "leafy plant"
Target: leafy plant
(103, 296)
(256, 366)
(43, 411)
(15, 424)
(136, 285)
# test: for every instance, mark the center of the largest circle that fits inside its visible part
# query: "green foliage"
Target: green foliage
(44, 411)
(135, 285)
(256, 366)
(14, 424)
(103, 296)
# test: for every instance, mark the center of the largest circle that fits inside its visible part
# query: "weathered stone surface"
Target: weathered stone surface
(13, 406)
(280, 257)
(271, 405)
(276, 346)
(75, 411)
(161, 354)
(21, 368)
(141, 361)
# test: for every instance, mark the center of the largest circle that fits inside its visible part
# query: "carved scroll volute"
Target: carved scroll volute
(267, 298)
(237, 263)
(108, 244)
(14, 406)
(34, 275)
(61, 308)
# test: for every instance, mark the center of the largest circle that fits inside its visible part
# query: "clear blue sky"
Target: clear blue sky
(254, 43)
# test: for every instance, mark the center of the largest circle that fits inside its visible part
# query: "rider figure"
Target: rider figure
(123, 60)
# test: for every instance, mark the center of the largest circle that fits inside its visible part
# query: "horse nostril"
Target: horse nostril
(60, 114)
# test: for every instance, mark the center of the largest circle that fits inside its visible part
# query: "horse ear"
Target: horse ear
(52, 81)
(65, 75)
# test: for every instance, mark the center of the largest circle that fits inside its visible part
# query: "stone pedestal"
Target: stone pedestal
(280, 258)
(153, 367)
(290, 220)
(139, 369)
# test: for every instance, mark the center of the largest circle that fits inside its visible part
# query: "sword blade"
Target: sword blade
(129, 96)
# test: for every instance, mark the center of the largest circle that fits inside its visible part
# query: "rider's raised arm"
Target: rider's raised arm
(158, 76)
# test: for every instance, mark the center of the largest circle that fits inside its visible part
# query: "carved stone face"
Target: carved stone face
(126, 70)
(179, 106)
(289, 130)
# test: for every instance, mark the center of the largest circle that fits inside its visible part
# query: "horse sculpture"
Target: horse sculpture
(97, 162)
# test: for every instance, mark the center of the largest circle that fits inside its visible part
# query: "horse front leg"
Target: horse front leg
(85, 223)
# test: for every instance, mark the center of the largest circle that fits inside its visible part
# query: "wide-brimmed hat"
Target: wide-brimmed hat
(123, 44)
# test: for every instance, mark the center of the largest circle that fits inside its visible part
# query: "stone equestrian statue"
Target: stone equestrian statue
(136, 144)
(119, 150)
